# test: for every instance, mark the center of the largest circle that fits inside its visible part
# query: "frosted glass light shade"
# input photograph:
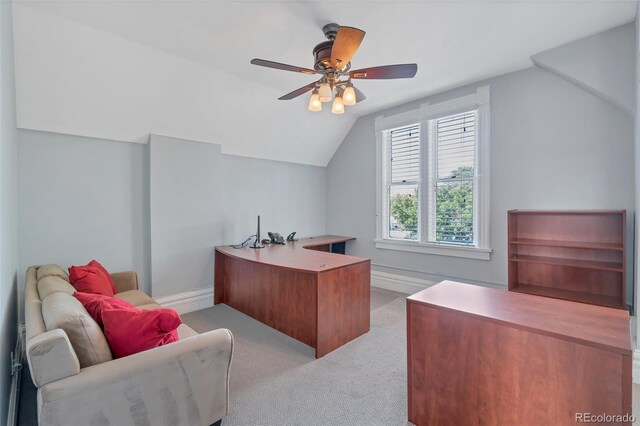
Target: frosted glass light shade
(325, 92)
(314, 102)
(349, 96)
(338, 105)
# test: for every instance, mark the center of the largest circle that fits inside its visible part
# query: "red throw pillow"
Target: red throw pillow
(130, 331)
(89, 279)
(96, 265)
(106, 273)
(96, 303)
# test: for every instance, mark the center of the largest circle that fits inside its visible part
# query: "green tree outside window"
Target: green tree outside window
(454, 209)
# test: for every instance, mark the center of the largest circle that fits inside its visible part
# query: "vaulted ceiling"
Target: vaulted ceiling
(123, 69)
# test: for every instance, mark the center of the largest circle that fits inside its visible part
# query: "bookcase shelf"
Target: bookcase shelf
(576, 296)
(568, 244)
(571, 255)
(575, 263)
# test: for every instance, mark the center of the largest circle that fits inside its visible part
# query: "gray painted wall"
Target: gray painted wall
(185, 213)
(201, 198)
(553, 146)
(288, 197)
(8, 207)
(81, 198)
(603, 63)
(158, 209)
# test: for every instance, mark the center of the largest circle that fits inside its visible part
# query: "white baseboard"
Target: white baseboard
(188, 301)
(16, 373)
(196, 300)
(399, 283)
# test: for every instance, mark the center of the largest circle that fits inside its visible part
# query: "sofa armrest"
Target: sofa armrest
(125, 281)
(51, 357)
(186, 382)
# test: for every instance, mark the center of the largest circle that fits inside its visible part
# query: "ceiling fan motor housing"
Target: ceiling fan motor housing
(322, 55)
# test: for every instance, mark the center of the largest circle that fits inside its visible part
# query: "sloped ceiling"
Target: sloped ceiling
(611, 78)
(121, 70)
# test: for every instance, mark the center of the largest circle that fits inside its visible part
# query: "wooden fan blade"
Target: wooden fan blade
(345, 45)
(386, 72)
(279, 66)
(298, 92)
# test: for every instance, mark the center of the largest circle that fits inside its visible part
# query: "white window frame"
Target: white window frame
(478, 101)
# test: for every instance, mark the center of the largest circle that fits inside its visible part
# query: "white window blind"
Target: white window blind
(403, 181)
(452, 212)
(405, 154)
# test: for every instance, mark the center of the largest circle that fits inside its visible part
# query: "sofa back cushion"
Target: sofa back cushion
(32, 305)
(51, 270)
(62, 310)
(53, 284)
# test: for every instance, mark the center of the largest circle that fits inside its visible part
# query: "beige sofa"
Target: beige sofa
(183, 383)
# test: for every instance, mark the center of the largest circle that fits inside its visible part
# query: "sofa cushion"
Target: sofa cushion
(135, 297)
(149, 306)
(96, 303)
(53, 284)
(130, 331)
(51, 270)
(61, 310)
(90, 279)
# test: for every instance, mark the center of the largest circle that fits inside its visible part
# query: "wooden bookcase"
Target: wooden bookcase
(571, 255)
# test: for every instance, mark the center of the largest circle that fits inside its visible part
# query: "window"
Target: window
(433, 178)
(451, 214)
(402, 186)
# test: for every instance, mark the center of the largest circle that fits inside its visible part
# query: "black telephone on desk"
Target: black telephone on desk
(275, 238)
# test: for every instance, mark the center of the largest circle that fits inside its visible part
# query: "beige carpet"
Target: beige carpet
(276, 380)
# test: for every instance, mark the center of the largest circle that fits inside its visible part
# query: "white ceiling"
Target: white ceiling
(124, 69)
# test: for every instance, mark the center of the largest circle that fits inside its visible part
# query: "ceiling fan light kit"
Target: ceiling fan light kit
(314, 102)
(338, 105)
(326, 94)
(349, 95)
(333, 62)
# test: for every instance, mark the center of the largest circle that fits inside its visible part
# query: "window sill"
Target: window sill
(437, 249)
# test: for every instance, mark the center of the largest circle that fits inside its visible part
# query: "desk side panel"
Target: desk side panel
(465, 370)
(220, 277)
(280, 298)
(343, 306)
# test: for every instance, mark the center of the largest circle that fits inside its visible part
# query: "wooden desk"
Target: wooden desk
(316, 297)
(481, 356)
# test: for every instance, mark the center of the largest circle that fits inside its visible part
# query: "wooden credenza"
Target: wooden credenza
(481, 356)
(301, 289)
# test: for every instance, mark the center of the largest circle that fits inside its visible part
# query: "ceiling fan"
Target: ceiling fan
(333, 63)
